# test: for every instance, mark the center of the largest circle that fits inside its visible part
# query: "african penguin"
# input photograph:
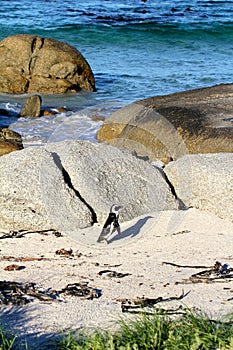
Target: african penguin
(112, 220)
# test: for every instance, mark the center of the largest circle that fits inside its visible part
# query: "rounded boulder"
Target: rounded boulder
(29, 63)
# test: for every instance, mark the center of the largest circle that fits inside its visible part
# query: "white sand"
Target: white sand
(189, 237)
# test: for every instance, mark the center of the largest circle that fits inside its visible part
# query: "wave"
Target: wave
(199, 30)
(216, 28)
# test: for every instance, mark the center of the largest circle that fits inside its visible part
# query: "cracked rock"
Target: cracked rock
(204, 181)
(72, 184)
(34, 195)
(104, 175)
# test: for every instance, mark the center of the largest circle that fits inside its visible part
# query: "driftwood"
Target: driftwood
(111, 273)
(217, 273)
(187, 266)
(20, 259)
(128, 305)
(22, 233)
(62, 252)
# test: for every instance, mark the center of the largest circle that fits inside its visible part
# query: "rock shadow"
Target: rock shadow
(7, 118)
(15, 321)
(131, 231)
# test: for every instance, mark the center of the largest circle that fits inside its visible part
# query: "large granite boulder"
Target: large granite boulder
(204, 181)
(72, 184)
(29, 63)
(34, 195)
(170, 126)
(9, 141)
(104, 175)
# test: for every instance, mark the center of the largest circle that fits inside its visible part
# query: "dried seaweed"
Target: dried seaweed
(14, 267)
(22, 233)
(111, 273)
(217, 273)
(107, 265)
(15, 293)
(129, 305)
(81, 290)
(65, 252)
(181, 232)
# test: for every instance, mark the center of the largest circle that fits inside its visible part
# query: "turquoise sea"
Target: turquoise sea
(136, 49)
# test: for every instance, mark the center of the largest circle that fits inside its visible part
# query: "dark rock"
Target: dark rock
(61, 110)
(195, 121)
(4, 112)
(32, 107)
(47, 113)
(9, 141)
(7, 147)
(29, 63)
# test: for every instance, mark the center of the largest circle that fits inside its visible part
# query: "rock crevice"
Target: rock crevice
(181, 204)
(204, 181)
(72, 184)
(68, 181)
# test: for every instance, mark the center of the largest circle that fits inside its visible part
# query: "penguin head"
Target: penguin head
(115, 208)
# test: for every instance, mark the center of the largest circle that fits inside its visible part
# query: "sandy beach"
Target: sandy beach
(152, 79)
(137, 256)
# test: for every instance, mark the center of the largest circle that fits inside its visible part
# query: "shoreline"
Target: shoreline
(190, 237)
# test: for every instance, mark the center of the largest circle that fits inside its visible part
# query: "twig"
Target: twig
(217, 273)
(187, 266)
(20, 259)
(140, 302)
(22, 233)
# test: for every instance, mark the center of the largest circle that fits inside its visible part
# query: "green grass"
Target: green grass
(6, 340)
(191, 331)
(188, 332)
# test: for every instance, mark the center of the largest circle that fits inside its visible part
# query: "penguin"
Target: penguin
(112, 221)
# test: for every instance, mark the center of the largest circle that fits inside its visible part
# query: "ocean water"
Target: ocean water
(136, 49)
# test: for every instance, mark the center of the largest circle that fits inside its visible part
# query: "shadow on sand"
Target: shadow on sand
(131, 231)
(15, 319)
